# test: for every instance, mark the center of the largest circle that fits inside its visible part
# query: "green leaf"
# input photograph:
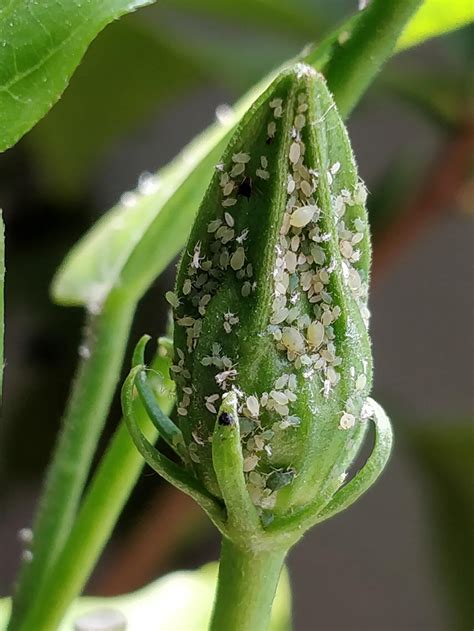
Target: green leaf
(436, 17)
(443, 453)
(98, 107)
(41, 43)
(181, 600)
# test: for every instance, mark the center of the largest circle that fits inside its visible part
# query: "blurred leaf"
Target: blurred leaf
(100, 103)
(181, 600)
(389, 194)
(152, 223)
(296, 17)
(444, 455)
(436, 17)
(444, 97)
(41, 43)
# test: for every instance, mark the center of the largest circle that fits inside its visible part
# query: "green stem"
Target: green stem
(114, 480)
(93, 389)
(112, 484)
(371, 42)
(246, 588)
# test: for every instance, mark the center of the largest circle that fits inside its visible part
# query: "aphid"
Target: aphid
(196, 257)
(225, 419)
(245, 187)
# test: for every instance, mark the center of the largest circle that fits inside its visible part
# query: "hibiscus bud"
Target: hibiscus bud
(271, 300)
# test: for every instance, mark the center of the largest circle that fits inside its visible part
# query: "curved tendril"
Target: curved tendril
(165, 426)
(139, 351)
(228, 460)
(350, 492)
(171, 472)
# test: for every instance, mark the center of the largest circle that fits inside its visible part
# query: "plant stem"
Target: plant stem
(246, 588)
(93, 389)
(112, 484)
(357, 61)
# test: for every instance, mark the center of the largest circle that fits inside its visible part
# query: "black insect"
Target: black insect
(225, 419)
(245, 187)
(269, 140)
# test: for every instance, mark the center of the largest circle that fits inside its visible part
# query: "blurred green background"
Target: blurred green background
(402, 558)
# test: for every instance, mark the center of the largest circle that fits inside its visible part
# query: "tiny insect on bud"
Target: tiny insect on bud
(225, 419)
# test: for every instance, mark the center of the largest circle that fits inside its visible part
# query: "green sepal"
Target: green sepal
(300, 521)
(228, 464)
(165, 467)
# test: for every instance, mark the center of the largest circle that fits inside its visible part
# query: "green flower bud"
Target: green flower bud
(271, 302)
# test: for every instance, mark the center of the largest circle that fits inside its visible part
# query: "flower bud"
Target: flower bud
(271, 300)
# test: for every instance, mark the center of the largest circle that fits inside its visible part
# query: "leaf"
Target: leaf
(98, 106)
(436, 17)
(41, 43)
(443, 453)
(181, 600)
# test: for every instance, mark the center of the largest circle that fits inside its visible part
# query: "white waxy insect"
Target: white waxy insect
(214, 225)
(315, 334)
(196, 256)
(237, 259)
(250, 462)
(253, 406)
(229, 219)
(230, 201)
(346, 249)
(361, 382)
(347, 420)
(292, 339)
(360, 194)
(300, 121)
(262, 174)
(291, 261)
(228, 188)
(271, 129)
(302, 216)
(241, 158)
(187, 287)
(306, 188)
(172, 299)
(295, 152)
(279, 397)
(237, 169)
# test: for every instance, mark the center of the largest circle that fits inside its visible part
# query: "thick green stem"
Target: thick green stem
(370, 43)
(246, 588)
(93, 389)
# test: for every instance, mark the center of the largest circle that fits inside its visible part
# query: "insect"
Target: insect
(196, 257)
(225, 419)
(245, 187)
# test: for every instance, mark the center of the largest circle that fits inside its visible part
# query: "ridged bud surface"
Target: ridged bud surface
(271, 299)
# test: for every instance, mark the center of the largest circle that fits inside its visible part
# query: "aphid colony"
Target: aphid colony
(302, 271)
